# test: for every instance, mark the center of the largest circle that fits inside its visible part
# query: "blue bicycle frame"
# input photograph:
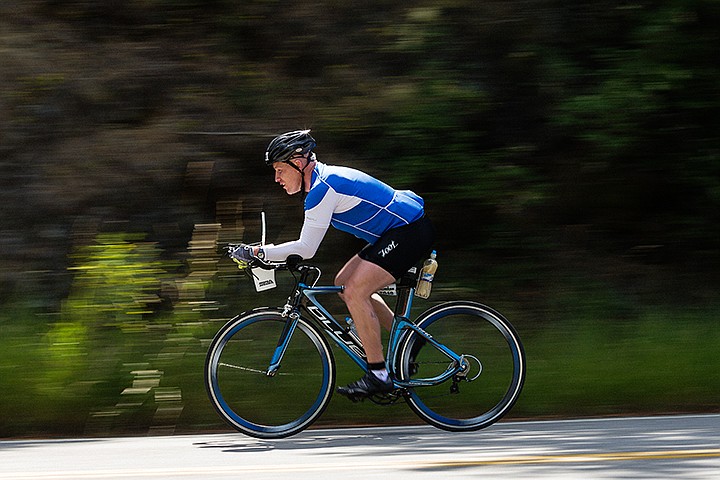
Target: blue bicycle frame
(350, 343)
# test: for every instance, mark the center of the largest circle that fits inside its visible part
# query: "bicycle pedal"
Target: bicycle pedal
(354, 398)
(351, 396)
(386, 398)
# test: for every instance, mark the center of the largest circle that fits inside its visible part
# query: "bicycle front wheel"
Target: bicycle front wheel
(268, 406)
(494, 360)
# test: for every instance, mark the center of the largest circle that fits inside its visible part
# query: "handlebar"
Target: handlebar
(292, 262)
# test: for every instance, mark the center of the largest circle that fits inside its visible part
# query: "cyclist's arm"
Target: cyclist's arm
(315, 225)
(305, 246)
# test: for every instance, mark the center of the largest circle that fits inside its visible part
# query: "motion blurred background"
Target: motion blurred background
(568, 153)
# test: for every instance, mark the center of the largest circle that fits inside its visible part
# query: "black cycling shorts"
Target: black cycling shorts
(400, 248)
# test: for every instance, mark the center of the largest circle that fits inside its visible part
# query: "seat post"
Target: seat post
(405, 292)
(404, 302)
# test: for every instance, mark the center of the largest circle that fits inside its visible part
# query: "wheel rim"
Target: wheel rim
(266, 406)
(480, 333)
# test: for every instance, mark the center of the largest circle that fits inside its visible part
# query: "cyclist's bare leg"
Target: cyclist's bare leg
(361, 280)
(383, 312)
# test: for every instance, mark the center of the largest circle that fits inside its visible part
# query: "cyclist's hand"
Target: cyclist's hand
(242, 254)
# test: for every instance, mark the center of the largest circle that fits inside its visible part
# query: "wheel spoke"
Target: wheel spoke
(474, 398)
(259, 404)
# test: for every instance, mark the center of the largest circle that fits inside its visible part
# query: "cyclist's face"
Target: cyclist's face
(288, 177)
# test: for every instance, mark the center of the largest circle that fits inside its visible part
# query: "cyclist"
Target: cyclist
(393, 222)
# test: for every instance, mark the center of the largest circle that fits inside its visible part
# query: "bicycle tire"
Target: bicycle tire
(473, 329)
(265, 406)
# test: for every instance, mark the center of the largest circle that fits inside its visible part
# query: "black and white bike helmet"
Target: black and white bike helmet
(288, 145)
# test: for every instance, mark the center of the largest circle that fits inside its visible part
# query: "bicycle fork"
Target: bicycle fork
(287, 333)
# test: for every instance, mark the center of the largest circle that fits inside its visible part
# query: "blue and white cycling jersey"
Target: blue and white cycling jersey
(353, 202)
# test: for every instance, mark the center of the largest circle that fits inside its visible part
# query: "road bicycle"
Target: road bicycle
(270, 372)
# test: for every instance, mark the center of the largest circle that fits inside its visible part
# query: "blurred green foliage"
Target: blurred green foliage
(567, 152)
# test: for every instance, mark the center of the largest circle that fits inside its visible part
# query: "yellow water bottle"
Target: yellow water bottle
(427, 274)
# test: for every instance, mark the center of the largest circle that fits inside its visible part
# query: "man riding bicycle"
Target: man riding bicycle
(393, 222)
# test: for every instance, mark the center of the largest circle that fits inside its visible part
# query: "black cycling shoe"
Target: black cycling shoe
(367, 386)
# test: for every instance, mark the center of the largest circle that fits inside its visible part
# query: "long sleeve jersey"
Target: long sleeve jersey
(351, 201)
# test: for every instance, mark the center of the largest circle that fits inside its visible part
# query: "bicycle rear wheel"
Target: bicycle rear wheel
(494, 356)
(268, 406)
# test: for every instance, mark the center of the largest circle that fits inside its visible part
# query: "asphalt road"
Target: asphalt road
(671, 447)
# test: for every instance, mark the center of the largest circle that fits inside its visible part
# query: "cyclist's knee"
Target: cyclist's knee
(349, 293)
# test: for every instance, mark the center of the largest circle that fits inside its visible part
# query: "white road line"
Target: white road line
(338, 467)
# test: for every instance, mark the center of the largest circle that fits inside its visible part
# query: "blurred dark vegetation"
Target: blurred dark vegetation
(568, 153)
